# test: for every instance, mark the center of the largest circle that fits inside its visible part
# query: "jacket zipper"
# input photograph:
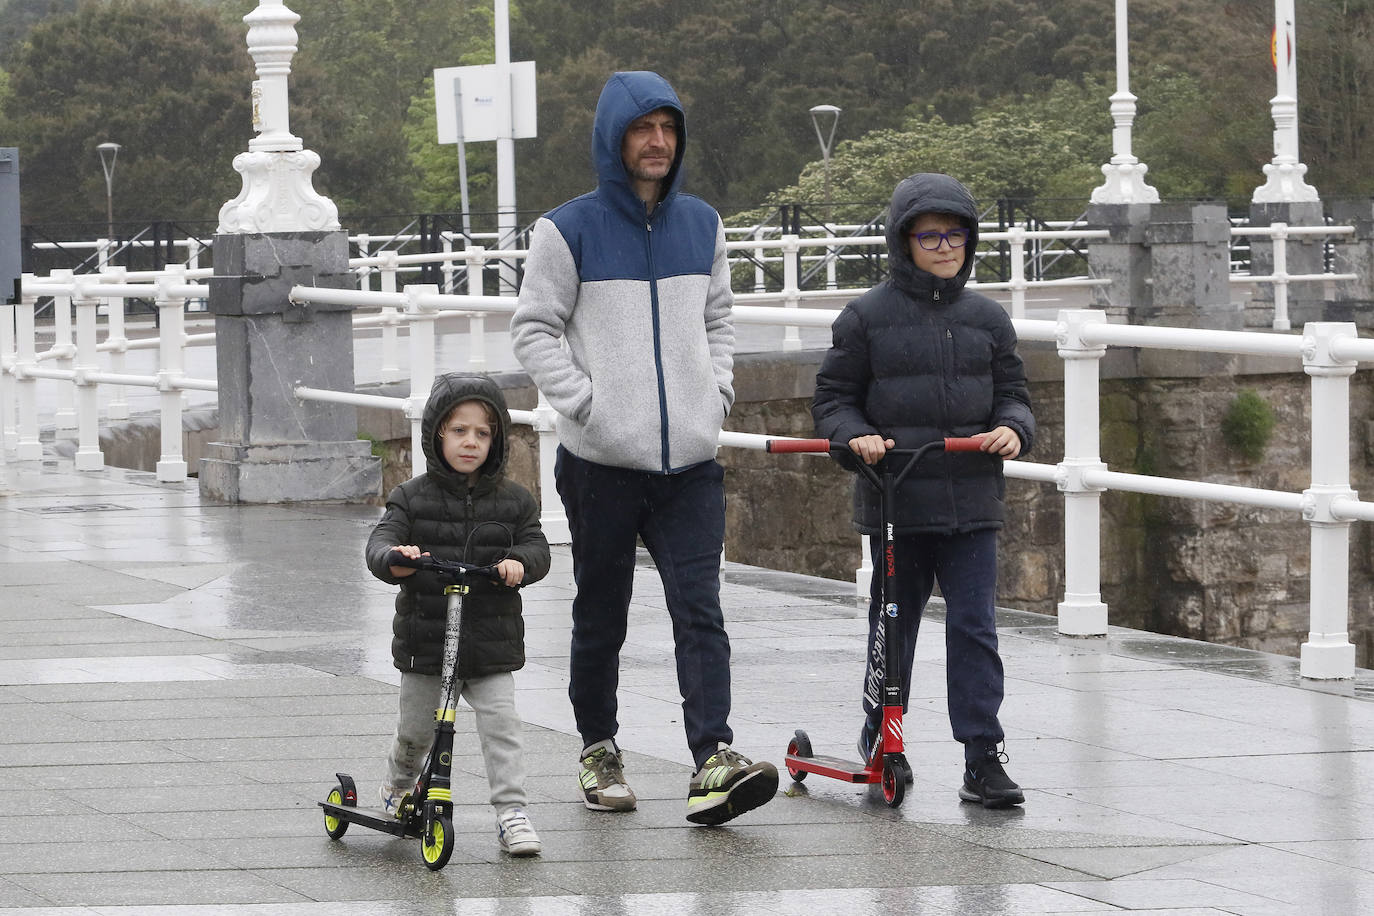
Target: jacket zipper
(658, 346)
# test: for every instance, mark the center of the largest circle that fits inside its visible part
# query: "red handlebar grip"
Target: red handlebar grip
(797, 445)
(964, 444)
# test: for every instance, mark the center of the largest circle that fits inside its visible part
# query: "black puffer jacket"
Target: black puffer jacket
(482, 523)
(919, 358)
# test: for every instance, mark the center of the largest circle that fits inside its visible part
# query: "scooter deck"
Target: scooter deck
(834, 767)
(373, 818)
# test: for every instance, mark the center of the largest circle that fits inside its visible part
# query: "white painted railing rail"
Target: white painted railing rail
(1280, 233)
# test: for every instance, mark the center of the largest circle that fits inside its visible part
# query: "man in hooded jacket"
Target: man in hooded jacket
(624, 323)
(916, 359)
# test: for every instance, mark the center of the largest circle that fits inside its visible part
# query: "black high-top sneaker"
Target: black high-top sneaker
(987, 783)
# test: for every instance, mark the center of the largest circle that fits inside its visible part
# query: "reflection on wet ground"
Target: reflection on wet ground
(179, 682)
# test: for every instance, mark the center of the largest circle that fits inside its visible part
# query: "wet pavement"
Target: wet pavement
(179, 681)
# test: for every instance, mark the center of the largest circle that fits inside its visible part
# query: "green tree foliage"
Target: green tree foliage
(73, 86)
(1012, 95)
(371, 60)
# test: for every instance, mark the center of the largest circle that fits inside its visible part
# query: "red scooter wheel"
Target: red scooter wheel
(894, 784)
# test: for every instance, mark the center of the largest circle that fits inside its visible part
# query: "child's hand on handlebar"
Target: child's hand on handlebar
(870, 448)
(412, 552)
(1002, 441)
(512, 572)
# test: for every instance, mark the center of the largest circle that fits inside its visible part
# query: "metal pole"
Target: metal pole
(505, 145)
(462, 161)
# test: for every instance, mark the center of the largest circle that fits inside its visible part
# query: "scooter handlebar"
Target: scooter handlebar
(453, 568)
(952, 444)
(799, 445)
(964, 444)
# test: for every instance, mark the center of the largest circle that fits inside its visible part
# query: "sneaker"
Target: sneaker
(987, 783)
(729, 785)
(603, 779)
(392, 798)
(867, 734)
(516, 836)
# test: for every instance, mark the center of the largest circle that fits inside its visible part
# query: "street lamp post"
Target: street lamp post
(108, 153)
(818, 114)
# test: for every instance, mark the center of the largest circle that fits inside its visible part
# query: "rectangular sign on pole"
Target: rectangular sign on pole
(477, 95)
(10, 266)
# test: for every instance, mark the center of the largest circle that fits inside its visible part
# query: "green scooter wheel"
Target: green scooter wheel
(334, 825)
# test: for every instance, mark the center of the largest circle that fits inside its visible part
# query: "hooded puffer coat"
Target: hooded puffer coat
(920, 358)
(482, 522)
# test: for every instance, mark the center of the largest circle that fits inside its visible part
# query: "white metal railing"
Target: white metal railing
(1280, 233)
(1327, 352)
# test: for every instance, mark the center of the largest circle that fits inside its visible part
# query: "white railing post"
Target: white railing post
(553, 517)
(1016, 237)
(365, 272)
(831, 261)
(863, 576)
(1328, 653)
(1082, 612)
(421, 319)
(88, 456)
(477, 323)
(118, 406)
(27, 446)
(171, 465)
(8, 432)
(1281, 322)
(760, 282)
(391, 369)
(791, 287)
(64, 352)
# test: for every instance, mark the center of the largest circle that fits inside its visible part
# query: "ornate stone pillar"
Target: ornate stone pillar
(276, 234)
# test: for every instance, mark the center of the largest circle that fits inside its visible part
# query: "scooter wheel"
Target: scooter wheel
(334, 825)
(437, 843)
(799, 746)
(894, 784)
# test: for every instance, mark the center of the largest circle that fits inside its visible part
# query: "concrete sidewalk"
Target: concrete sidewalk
(179, 682)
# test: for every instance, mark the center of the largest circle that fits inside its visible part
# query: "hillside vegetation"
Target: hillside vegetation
(1010, 95)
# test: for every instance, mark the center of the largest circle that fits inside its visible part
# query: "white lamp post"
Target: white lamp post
(108, 153)
(1284, 182)
(1124, 174)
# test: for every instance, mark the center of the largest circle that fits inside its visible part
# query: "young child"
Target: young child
(462, 508)
(915, 359)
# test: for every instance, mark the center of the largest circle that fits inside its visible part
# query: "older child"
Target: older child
(462, 508)
(915, 359)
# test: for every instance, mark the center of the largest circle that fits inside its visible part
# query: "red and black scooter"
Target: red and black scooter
(887, 761)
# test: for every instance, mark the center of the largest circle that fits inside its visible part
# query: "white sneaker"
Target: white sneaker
(515, 834)
(391, 799)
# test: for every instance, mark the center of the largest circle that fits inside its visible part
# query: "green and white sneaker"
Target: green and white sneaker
(603, 779)
(729, 785)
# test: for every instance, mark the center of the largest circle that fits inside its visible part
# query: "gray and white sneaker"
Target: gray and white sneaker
(728, 785)
(603, 779)
(516, 836)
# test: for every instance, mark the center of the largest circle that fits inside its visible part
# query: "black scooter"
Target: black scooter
(427, 811)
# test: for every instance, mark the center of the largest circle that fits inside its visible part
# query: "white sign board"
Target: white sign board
(480, 116)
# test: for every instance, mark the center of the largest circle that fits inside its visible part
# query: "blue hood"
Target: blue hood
(628, 95)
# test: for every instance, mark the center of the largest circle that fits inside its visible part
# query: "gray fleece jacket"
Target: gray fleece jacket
(624, 315)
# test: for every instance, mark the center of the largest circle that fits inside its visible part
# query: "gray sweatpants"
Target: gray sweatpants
(492, 698)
